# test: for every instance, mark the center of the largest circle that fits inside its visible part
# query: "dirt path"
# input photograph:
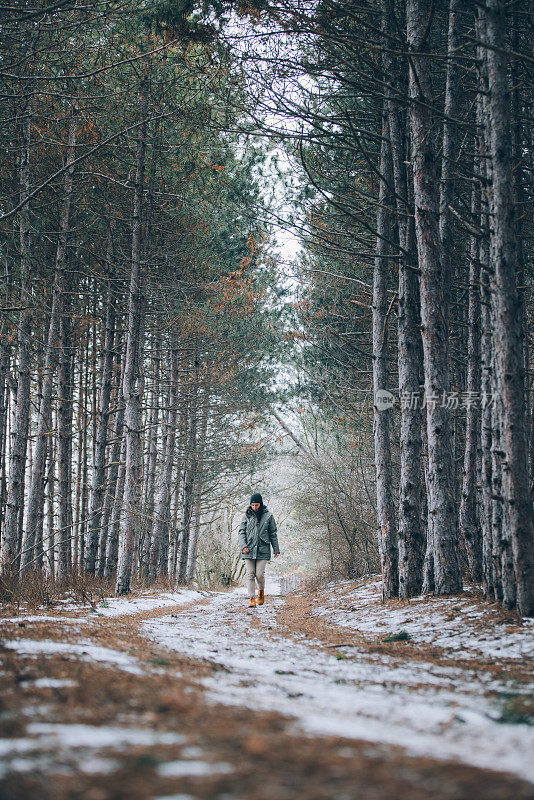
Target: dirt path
(127, 708)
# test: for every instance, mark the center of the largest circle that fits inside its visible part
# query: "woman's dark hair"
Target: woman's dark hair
(250, 511)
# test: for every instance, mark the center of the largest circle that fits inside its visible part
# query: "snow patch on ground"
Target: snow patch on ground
(63, 748)
(47, 683)
(194, 769)
(42, 763)
(434, 711)
(12, 746)
(85, 651)
(99, 736)
(450, 623)
(117, 606)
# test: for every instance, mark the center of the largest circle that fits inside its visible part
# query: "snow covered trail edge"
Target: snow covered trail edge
(429, 710)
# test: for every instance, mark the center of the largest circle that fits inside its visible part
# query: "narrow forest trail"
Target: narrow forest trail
(194, 696)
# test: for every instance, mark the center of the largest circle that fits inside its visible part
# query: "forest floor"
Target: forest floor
(315, 695)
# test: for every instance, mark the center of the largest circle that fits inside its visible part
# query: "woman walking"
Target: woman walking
(257, 533)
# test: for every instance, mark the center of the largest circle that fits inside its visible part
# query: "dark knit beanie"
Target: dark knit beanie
(256, 498)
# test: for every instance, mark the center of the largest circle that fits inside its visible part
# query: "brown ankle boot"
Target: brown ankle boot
(261, 597)
(252, 603)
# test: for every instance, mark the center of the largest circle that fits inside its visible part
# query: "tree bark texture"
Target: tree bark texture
(468, 517)
(190, 475)
(197, 512)
(450, 148)
(411, 542)
(151, 457)
(130, 519)
(507, 332)
(442, 514)
(64, 443)
(163, 503)
(387, 538)
(99, 468)
(112, 544)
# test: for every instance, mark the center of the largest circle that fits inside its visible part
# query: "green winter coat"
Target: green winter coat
(258, 536)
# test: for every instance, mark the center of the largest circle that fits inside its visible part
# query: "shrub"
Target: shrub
(401, 636)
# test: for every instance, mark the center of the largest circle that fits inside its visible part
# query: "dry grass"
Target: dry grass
(316, 582)
(37, 590)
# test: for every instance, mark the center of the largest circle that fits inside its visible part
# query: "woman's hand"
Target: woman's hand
(276, 555)
(245, 550)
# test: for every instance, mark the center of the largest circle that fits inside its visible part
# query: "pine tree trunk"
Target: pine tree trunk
(80, 424)
(169, 554)
(132, 400)
(152, 454)
(20, 429)
(507, 333)
(411, 543)
(469, 526)
(190, 477)
(81, 526)
(453, 90)
(486, 429)
(163, 503)
(35, 494)
(450, 154)
(486, 345)
(38, 544)
(197, 510)
(111, 487)
(497, 509)
(517, 104)
(112, 545)
(50, 516)
(99, 468)
(194, 539)
(64, 449)
(428, 564)
(5, 432)
(442, 518)
(114, 462)
(410, 528)
(387, 540)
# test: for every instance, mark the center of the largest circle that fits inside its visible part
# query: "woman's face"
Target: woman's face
(255, 506)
